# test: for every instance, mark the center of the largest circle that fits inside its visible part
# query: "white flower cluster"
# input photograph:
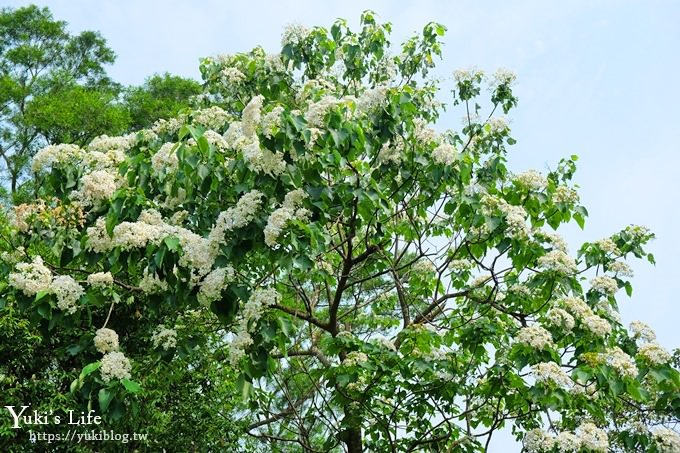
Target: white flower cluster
(423, 266)
(537, 440)
(290, 210)
(272, 121)
(212, 285)
(560, 318)
(211, 118)
(620, 269)
(503, 76)
(653, 353)
(169, 126)
(642, 331)
(231, 76)
(317, 111)
(467, 75)
(104, 143)
(589, 320)
(620, 361)
(391, 152)
(150, 283)
(536, 337)
(106, 340)
(460, 265)
(68, 291)
(55, 154)
(558, 261)
(604, 284)
(445, 154)
(237, 216)
(253, 310)
(531, 179)
(164, 337)
(31, 278)
(165, 160)
(497, 125)
(598, 326)
(372, 99)
(354, 358)
(515, 218)
(294, 34)
(95, 187)
(551, 372)
(587, 437)
(608, 246)
(115, 365)
(666, 440)
(592, 438)
(564, 194)
(100, 279)
(555, 240)
(213, 138)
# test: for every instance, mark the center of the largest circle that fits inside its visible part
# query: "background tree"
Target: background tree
(161, 96)
(379, 285)
(46, 76)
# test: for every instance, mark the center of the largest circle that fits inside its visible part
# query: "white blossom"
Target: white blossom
(445, 154)
(68, 292)
(537, 440)
(560, 318)
(51, 155)
(564, 194)
(619, 268)
(642, 331)
(165, 160)
(604, 284)
(212, 285)
(567, 442)
(535, 336)
(354, 358)
(100, 279)
(666, 440)
(31, 278)
(620, 361)
(598, 326)
(115, 365)
(106, 340)
(532, 180)
(654, 353)
(164, 337)
(558, 261)
(551, 372)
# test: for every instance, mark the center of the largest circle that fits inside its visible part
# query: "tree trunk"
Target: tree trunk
(353, 440)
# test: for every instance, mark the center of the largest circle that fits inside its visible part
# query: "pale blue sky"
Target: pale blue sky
(596, 78)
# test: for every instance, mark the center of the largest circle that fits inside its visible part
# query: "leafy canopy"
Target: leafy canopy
(378, 285)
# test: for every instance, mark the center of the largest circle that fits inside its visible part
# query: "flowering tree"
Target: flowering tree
(378, 285)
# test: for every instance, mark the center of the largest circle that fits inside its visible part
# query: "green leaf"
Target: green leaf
(105, 397)
(89, 369)
(172, 243)
(131, 386)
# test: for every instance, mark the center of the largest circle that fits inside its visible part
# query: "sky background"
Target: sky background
(595, 78)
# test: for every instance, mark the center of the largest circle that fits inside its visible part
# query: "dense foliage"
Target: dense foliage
(376, 284)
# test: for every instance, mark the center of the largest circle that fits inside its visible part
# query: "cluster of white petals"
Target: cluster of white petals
(212, 285)
(31, 278)
(164, 337)
(252, 311)
(106, 340)
(467, 75)
(600, 327)
(55, 154)
(564, 194)
(560, 318)
(95, 187)
(620, 361)
(604, 284)
(558, 261)
(666, 440)
(555, 240)
(608, 246)
(535, 336)
(150, 283)
(642, 331)
(294, 34)
(68, 292)
(115, 365)
(654, 353)
(354, 358)
(592, 438)
(620, 269)
(445, 154)
(100, 279)
(290, 210)
(211, 118)
(165, 160)
(551, 372)
(537, 440)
